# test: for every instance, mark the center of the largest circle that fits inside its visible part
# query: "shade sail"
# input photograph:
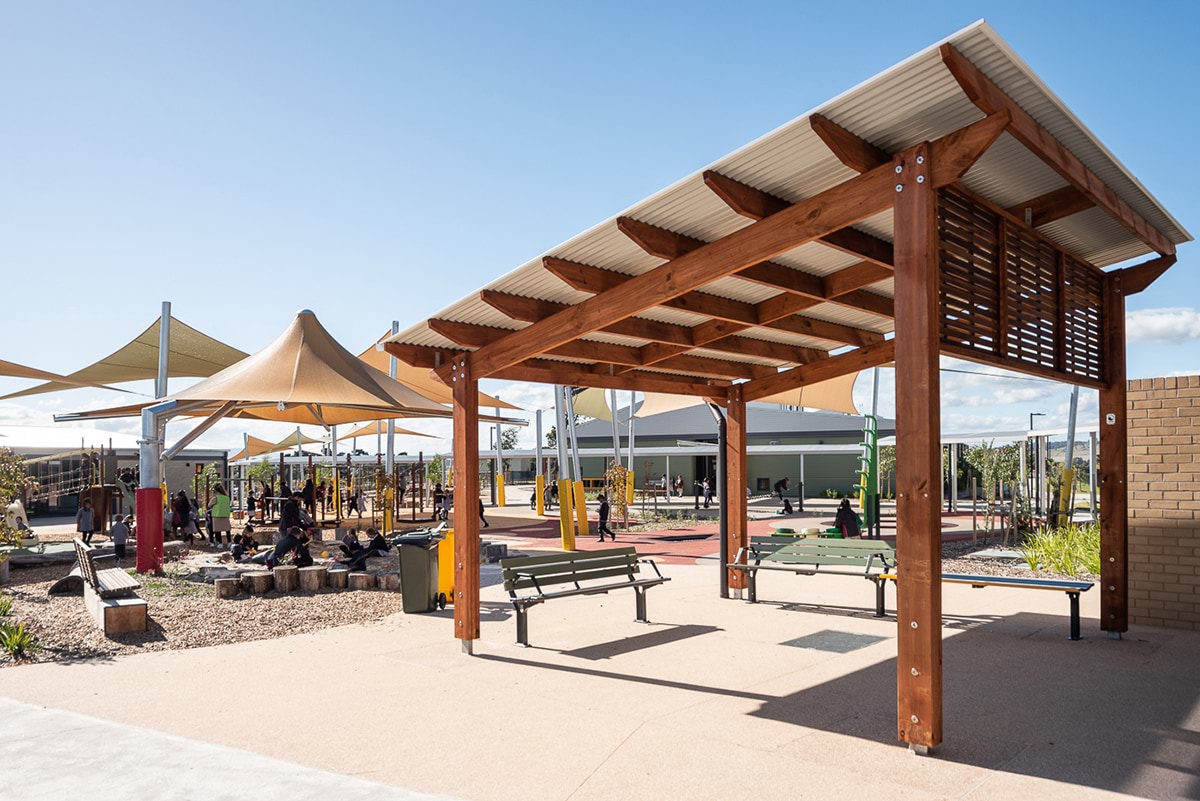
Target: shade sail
(378, 427)
(303, 377)
(420, 380)
(14, 370)
(834, 395)
(253, 447)
(192, 354)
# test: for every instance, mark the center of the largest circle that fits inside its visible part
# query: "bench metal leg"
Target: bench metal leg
(752, 586)
(640, 592)
(879, 593)
(1074, 596)
(522, 626)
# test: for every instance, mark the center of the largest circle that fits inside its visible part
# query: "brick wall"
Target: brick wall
(1164, 502)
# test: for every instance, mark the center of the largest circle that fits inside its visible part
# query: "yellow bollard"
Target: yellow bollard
(446, 566)
(566, 524)
(387, 510)
(581, 509)
(629, 487)
(1064, 495)
(540, 490)
(501, 501)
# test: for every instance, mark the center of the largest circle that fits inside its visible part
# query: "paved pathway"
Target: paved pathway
(48, 753)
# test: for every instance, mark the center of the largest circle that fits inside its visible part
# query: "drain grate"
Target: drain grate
(838, 642)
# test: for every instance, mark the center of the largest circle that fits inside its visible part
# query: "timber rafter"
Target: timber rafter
(836, 208)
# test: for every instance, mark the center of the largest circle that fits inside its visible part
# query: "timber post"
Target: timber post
(466, 502)
(1114, 468)
(918, 454)
(734, 491)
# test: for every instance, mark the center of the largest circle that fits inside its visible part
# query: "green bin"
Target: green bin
(418, 571)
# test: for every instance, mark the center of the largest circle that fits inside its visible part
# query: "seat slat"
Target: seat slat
(567, 565)
(565, 578)
(575, 556)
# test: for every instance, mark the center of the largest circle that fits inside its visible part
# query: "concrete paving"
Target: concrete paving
(717, 699)
(54, 754)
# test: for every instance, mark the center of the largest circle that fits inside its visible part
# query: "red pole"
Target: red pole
(149, 529)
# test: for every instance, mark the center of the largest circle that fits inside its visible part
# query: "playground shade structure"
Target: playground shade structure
(378, 428)
(303, 377)
(14, 370)
(192, 354)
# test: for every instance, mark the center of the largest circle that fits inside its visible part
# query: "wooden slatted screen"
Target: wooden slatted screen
(1011, 294)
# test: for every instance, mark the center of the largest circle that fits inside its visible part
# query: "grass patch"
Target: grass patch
(1070, 551)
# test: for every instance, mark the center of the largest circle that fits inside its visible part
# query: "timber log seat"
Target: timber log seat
(1071, 588)
(109, 594)
(563, 575)
(809, 556)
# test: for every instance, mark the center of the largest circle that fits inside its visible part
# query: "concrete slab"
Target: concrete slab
(48, 753)
(708, 702)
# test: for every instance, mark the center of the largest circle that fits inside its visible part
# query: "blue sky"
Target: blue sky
(375, 161)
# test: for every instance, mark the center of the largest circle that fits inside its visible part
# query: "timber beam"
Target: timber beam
(837, 207)
(1139, 277)
(599, 375)
(756, 204)
(1052, 206)
(853, 151)
(991, 99)
(664, 244)
(716, 335)
(850, 362)
(776, 312)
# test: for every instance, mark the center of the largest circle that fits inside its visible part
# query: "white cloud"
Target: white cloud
(1172, 325)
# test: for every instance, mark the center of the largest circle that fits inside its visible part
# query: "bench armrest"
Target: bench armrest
(533, 578)
(653, 565)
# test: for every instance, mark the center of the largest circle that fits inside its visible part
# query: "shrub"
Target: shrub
(17, 642)
(832, 493)
(5, 606)
(1069, 550)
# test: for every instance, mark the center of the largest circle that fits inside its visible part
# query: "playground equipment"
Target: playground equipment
(868, 475)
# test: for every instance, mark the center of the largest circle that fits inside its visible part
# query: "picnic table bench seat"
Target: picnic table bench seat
(867, 559)
(532, 580)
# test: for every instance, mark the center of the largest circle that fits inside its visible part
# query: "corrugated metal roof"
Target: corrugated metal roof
(914, 101)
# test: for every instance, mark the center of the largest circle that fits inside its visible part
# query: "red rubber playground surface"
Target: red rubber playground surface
(682, 545)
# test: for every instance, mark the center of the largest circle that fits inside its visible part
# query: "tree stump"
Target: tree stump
(389, 581)
(361, 581)
(227, 587)
(312, 578)
(287, 578)
(337, 579)
(258, 582)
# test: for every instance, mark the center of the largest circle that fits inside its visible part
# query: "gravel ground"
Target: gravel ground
(956, 559)
(183, 614)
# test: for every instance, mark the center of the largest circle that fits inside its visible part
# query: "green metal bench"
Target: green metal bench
(868, 559)
(1071, 588)
(531, 580)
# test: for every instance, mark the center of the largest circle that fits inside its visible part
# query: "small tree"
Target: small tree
(435, 469)
(887, 465)
(14, 481)
(552, 437)
(262, 472)
(995, 466)
(509, 437)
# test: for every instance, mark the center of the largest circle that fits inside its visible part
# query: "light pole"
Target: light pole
(1039, 464)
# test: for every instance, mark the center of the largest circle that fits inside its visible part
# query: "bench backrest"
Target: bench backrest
(829, 553)
(570, 567)
(87, 568)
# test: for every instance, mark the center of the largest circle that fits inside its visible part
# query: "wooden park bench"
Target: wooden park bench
(562, 575)
(868, 559)
(1071, 588)
(109, 594)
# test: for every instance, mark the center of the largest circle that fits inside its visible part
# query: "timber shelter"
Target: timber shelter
(949, 205)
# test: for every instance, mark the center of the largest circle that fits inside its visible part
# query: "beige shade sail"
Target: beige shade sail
(834, 395)
(303, 377)
(14, 370)
(420, 380)
(378, 427)
(253, 447)
(192, 354)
